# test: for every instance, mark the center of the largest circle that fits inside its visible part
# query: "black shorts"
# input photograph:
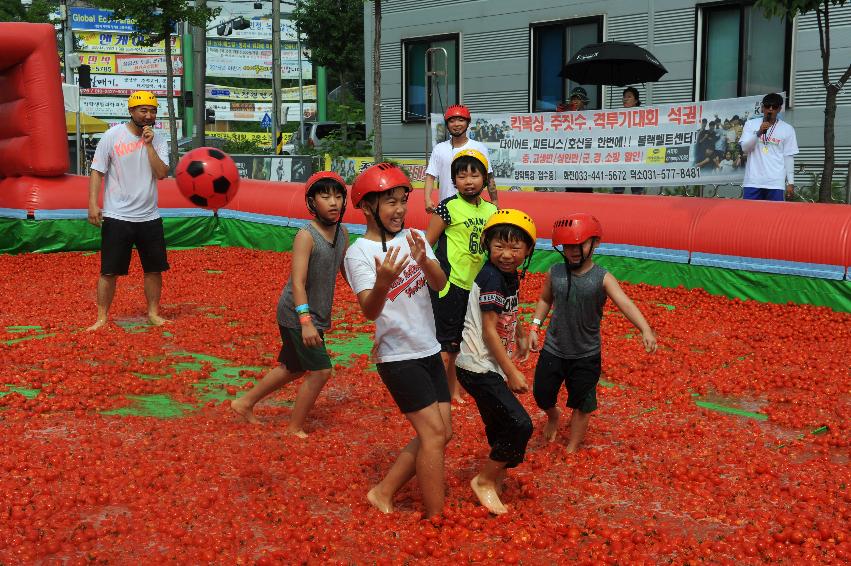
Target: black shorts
(449, 312)
(415, 384)
(297, 357)
(118, 238)
(580, 377)
(507, 424)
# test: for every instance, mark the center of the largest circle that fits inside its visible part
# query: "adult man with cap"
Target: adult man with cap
(132, 159)
(577, 101)
(770, 145)
(457, 119)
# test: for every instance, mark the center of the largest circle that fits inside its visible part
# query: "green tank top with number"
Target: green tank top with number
(459, 247)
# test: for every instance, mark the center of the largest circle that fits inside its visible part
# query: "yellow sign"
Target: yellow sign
(122, 43)
(263, 139)
(100, 63)
(655, 155)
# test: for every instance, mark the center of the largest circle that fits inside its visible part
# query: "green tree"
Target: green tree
(790, 9)
(333, 32)
(38, 12)
(334, 35)
(156, 19)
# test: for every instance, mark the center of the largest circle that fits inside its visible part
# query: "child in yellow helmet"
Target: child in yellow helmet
(492, 341)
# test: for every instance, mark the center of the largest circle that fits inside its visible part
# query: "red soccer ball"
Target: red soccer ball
(208, 177)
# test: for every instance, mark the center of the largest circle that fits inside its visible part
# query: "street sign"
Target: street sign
(266, 121)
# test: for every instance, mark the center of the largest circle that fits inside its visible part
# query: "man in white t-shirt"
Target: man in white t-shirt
(132, 159)
(770, 145)
(457, 120)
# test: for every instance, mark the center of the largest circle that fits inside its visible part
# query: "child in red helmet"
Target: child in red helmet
(304, 309)
(457, 119)
(388, 269)
(578, 289)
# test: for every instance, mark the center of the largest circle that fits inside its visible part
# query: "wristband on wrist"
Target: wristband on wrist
(305, 318)
(303, 309)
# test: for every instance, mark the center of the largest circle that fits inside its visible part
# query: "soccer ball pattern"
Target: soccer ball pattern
(207, 177)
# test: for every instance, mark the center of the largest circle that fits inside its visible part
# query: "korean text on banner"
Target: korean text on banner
(668, 145)
(219, 92)
(126, 84)
(122, 43)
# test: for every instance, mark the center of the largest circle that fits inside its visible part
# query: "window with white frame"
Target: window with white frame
(421, 94)
(743, 52)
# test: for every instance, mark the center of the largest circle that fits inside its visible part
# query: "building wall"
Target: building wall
(494, 53)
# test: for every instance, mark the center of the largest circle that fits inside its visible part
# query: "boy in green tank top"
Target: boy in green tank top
(456, 228)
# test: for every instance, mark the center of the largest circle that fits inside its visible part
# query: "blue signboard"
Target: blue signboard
(266, 121)
(96, 19)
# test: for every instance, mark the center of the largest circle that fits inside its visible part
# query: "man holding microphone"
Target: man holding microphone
(770, 145)
(132, 159)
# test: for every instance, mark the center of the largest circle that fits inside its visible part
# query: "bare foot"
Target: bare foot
(99, 323)
(570, 448)
(551, 428)
(487, 496)
(299, 433)
(459, 400)
(379, 502)
(156, 319)
(243, 411)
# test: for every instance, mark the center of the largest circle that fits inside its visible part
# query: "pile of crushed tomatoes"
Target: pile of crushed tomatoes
(730, 445)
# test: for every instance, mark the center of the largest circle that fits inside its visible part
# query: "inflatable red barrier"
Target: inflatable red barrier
(32, 129)
(806, 233)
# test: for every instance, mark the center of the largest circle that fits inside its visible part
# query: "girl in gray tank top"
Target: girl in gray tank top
(322, 269)
(304, 307)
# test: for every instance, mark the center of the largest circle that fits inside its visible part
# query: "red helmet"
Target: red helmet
(308, 192)
(457, 111)
(318, 176)
(377, 179)
(576, 229)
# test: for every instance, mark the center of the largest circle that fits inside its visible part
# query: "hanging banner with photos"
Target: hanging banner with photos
(667, 145)
(219, 92)
(126, 84)
(122, 43)
(126, 64)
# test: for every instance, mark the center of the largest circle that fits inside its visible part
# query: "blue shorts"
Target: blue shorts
(753, 193)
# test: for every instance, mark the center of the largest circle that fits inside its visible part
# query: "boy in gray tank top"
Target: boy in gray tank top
(304, 309)
(577, 289)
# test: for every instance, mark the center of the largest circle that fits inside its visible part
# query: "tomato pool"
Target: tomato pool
(730, 445)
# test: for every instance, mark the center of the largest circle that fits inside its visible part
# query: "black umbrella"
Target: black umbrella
(613, 63)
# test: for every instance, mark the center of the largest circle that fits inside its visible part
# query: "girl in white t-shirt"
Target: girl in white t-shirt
(388, 269)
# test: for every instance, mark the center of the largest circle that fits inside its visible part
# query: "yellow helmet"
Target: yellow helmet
(515, 218)
(477, 155)
(142, 98)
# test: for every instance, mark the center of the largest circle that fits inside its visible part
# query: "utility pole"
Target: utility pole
(72, 61)
(300, 87)
(199, 52)
(276, 72)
